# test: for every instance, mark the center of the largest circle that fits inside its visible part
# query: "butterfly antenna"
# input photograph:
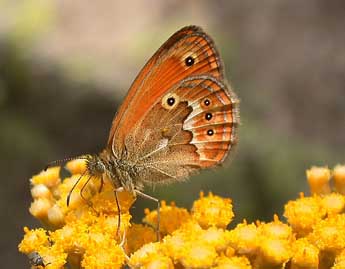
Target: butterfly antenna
(70, 192)
(58, 162)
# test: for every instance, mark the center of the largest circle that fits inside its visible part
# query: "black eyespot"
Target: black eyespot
(189, 61)
(207, 102)
(171, 101)
(208, 116)
(210, 132)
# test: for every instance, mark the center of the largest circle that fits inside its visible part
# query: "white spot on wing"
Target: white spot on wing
(188, 123)
(163, 143)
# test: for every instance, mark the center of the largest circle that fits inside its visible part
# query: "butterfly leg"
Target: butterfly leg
(122, 243)
(101, 185)
(123, 240)
(89, 203)
(144, 195)
(118, 210)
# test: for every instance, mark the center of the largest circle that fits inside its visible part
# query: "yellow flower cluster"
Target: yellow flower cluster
(85, 234)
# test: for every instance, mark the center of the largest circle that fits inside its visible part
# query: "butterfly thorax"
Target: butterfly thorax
(120, 172)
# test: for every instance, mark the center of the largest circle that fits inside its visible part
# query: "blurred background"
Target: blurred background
(65, 67)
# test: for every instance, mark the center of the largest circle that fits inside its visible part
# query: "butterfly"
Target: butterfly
(179, 116)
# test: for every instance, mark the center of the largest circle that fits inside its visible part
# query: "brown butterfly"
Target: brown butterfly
(178, 117)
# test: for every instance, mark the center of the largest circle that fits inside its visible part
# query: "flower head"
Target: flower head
(212, 210)
(171, 217)
(90, 232)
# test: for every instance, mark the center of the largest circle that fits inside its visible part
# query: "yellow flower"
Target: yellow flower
(198, 255)
(329, 234)
(86, 233)
(276, 229)
(140, 235)
(53, 256)
(33, 240)
(176, 244)
(305, 255)
(318, 179)
(273, 244)
(97, 254)
(161, 262)
(145, 255)
(304, 213)
(49, 178)
(244, 239)
(37, 240)
(77, 166)
(88, 223)
(339, 261)
(171, 217)
(339, 178)
(212, 211)
(334, 203)
(224, 262)
(215, 237)
(273, 253)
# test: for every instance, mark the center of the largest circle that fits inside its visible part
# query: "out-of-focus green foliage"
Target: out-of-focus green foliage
(27, 20)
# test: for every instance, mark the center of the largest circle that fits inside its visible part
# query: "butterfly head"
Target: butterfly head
(96, 166)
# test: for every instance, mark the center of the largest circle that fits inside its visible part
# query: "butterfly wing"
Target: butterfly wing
(196, 130)
(179, 115)
(165, 68)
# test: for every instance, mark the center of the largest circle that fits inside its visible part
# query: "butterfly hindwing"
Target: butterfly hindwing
(192, 126)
